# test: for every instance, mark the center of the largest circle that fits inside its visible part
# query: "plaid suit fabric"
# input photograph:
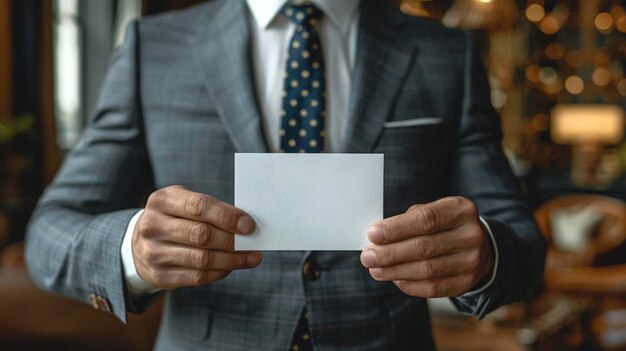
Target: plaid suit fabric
(178, 102)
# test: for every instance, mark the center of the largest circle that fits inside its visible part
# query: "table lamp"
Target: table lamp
(588, 128)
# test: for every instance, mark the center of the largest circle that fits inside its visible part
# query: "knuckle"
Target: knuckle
(199, 278)
(148, 274)
(476, 235)
(150, 253)
(155, 198)
(425, 247)
(431, 290)
(145, 225)
(428, 219)
(199, 235)
(429, 269)
(200, 259)
(413, 208)
(387, 256)
(152, 276)
(227, 219)
(196, 205)
(230, 242)
(219, 275)
(473, 258)
(467, 207)
(211, 276)
(473, 279)
(237, 261)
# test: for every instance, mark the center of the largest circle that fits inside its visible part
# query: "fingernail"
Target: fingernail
(368, 258)
(245, 225)
(254, 259)
(376, 234)
(376, 273)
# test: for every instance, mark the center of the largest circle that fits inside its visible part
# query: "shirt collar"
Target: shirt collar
(339, 12)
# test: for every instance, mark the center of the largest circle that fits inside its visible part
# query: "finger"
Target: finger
(435, 268)
(178, 201)
(177, 277)
(209, 259)
(425, 219)
(413, 249)
(195, 234)
(443, 287)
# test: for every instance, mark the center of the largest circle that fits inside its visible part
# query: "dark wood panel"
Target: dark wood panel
(5, 60)
(51, 153)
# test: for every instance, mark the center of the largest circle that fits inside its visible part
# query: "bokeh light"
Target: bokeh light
(549, 25)
(548, 75)
(555, 51)
(621, 87)
(603, 21)
(532, 73)
(574, 85)
(621, 24)
(540, 122)
(574, 58)
(601, 77)
(535, 12)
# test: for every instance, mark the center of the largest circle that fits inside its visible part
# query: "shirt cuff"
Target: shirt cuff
(135, 284)
(495, 265)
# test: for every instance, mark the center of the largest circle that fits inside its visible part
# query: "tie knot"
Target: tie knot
(306, 15)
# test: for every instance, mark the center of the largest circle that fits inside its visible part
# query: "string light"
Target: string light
(555, 51)
(603, 21)
(548, 75)
(532, 73)
(574, 85)
(540, 122)
(621, 24)
(621, 87)
(535, 12)
(601, 77)
(549, 25)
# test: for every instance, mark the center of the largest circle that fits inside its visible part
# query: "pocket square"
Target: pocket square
(413, 122)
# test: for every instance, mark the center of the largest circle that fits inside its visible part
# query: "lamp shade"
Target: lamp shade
(587, 124)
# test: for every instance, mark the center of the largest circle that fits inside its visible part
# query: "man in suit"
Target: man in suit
(189, 89)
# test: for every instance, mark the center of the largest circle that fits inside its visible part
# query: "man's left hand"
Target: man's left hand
(438, 249)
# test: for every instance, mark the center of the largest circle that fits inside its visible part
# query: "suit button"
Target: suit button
(311, 270)
(99, 303)
(94, 301)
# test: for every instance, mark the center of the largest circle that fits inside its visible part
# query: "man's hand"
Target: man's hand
(185, 238)
(438, 249)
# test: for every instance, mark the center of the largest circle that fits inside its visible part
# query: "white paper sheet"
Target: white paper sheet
(309, 201)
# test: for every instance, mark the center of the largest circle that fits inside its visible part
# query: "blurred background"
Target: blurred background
(557, 72)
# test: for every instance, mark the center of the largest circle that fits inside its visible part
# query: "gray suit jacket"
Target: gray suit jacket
(179, 101)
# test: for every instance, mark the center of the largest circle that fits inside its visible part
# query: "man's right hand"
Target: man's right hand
(185, 238)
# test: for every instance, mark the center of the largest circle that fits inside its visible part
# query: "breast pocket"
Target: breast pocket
(416, 161)
(414, 122)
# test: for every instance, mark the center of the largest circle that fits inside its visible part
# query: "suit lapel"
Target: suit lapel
(382, 62)
(222, 50)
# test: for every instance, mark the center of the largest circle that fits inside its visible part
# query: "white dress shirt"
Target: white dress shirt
(270, 37)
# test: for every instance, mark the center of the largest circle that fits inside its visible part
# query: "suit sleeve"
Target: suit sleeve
(75, 234)
(481, 173)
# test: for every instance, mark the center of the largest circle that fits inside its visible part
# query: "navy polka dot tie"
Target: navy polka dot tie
(304, 107)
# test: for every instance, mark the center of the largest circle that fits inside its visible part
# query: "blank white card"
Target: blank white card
(309, 201)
